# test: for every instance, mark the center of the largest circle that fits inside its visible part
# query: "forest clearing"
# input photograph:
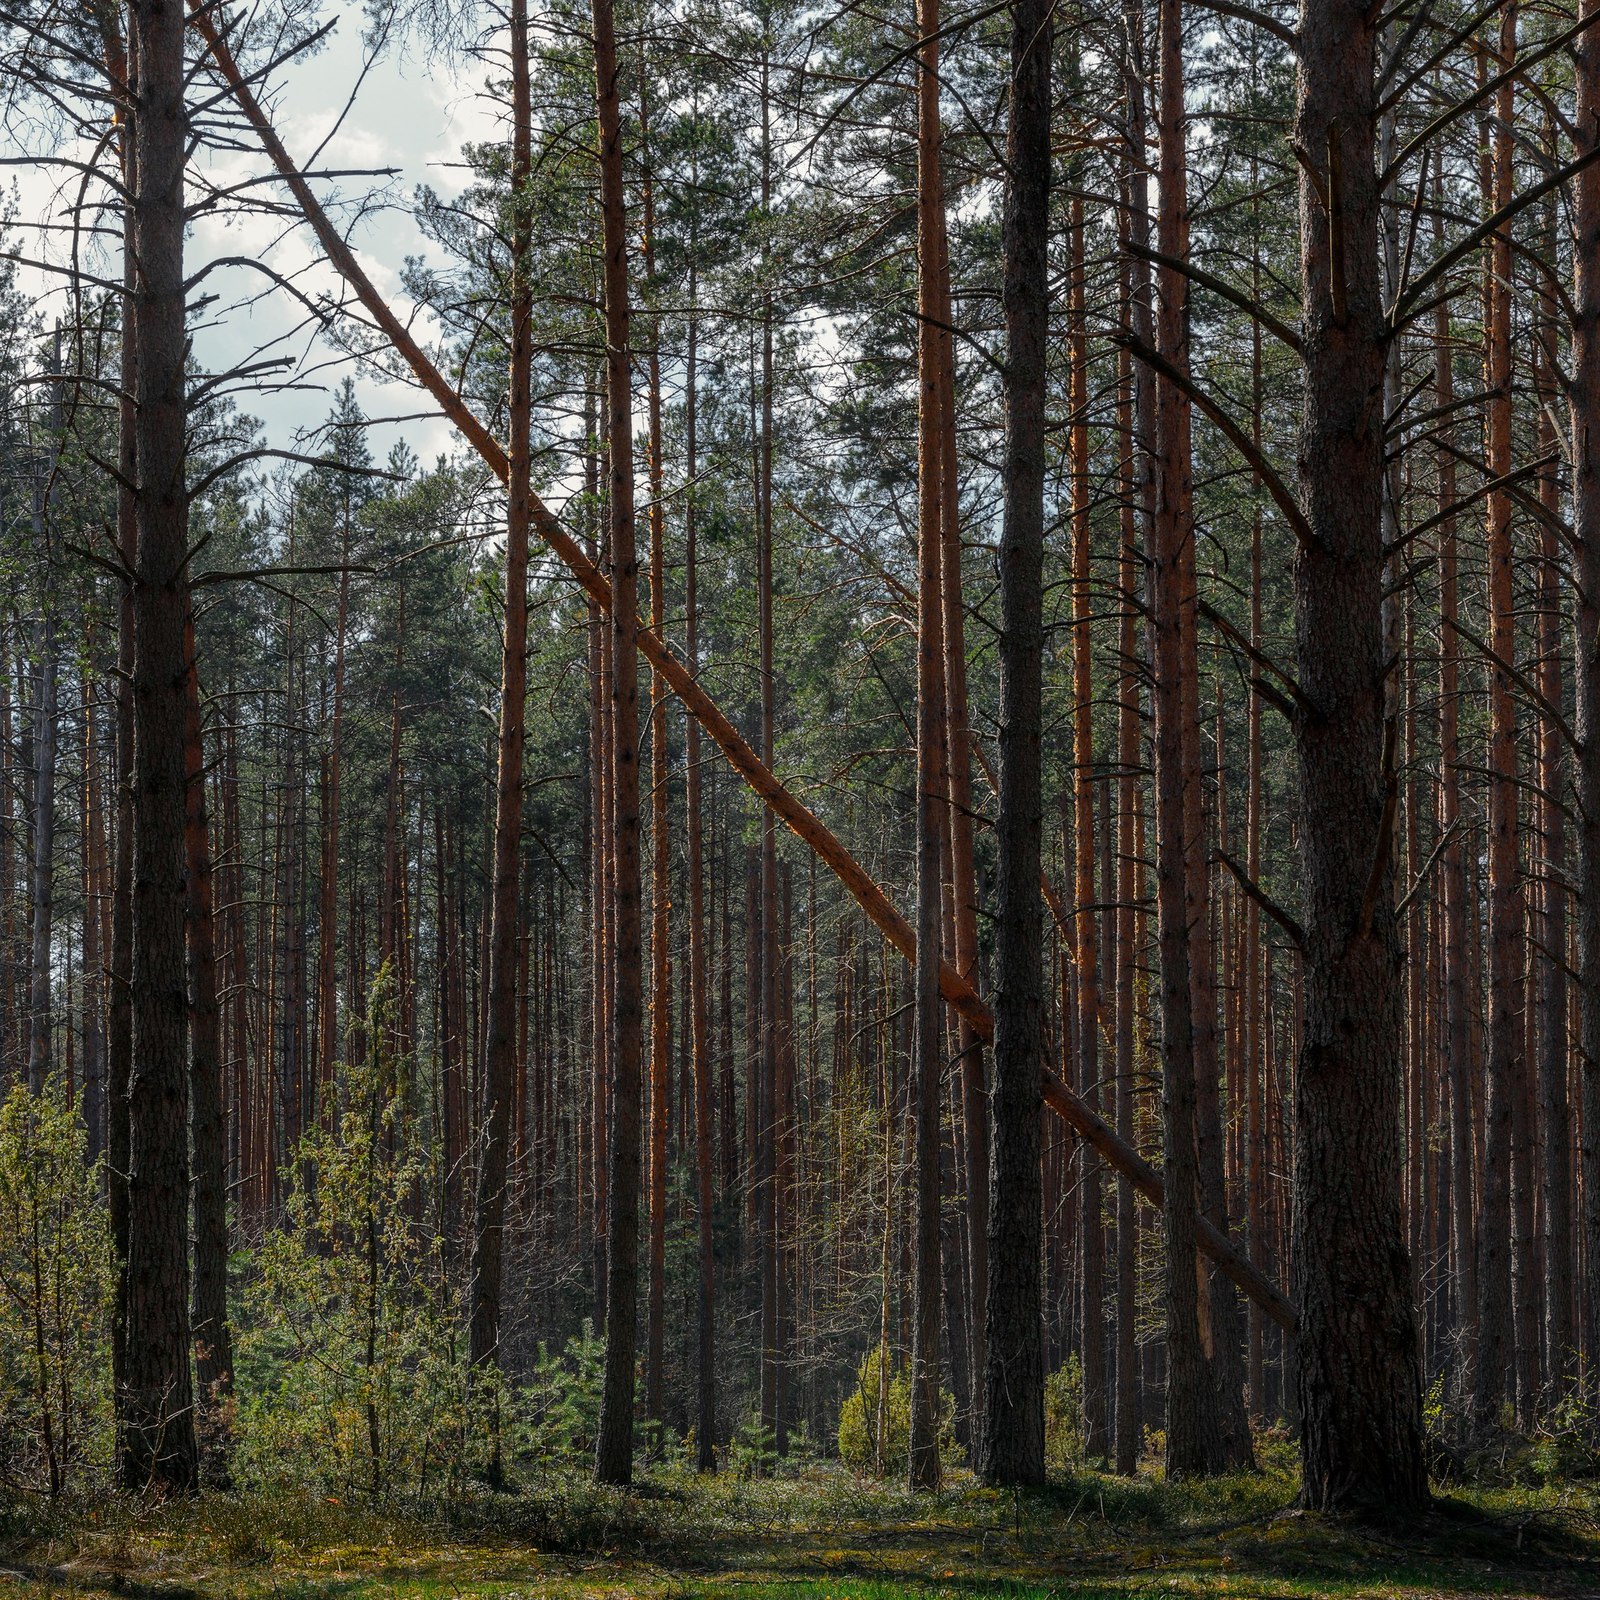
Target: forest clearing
(800, 798)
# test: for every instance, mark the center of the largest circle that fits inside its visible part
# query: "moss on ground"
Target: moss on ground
(812, 1534)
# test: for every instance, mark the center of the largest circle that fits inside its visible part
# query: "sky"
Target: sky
(405, 116)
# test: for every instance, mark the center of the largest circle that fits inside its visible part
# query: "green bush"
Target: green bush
(350, 1365)
(875, 1422)
(56, 1286)
(552, 1418)
(1065, 1430)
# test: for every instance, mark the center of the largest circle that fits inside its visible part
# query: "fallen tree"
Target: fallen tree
(794, 813)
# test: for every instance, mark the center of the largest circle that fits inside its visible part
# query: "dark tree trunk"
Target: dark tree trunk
(1086, 951)
(1194, 1443)
(501, 1062)
(1359, 1380)
(1584, 401)
(158, 1439)
(932, 777)
(699, 1018)
(213, 1344)
(614, 1440)
(1013, 1407)
(1501, 1246)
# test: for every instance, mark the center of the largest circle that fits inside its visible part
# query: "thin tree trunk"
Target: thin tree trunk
(614, 1439)
(1584, 403)
(1194, 1444)
(501, 1060)
(42, 875)
(1086, 954)
(213, 1344)
(1555, 1120)
(1500, 1246)
(933, 786)
(660, 877)
(699, 1020)
(1128, 758)
(1457, 1018)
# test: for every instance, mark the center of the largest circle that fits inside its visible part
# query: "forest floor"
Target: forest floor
(816, 1534)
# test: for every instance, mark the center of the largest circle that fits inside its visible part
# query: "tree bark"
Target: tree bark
(158, 1439)
(1505, 1090)
(614, 1440)
(500, 1060)
(933, 795)
(1013, 1408)
(1584, 405)
(1086, 954)
(42, 875)
(1194, 1442)
(213, 1342)
(1359, 1381)
(699, 1020)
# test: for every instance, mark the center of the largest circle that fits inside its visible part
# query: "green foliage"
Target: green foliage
(553, 1416)
(56, 1284)
(875, 1422)
(1065, 1430)
(348, 1349)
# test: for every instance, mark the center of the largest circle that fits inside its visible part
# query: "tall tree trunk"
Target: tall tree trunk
(1013, 1405)
(1555, 1120)
(614, 1439)
(158, 1439)
(963, 871)
(213, 1343)
(1584, 403)
(1457, 953)
(1194, 1444)
(328, 885)
(660, 844)
(42, 875)
(1505, 1090)
(769, 1115)
(1359, 1380)
(500, 1059)
(1129, 734)
(933, 796)
(1086, 954)
(699, 1020)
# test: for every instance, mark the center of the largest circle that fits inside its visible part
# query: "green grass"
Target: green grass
(813, 1534)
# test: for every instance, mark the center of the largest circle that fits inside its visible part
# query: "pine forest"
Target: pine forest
(800, 798)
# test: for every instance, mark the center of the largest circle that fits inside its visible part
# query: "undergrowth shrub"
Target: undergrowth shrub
(875, 1422)
(1066, 1430)
(552, 1417)
(56, 1286)
(351, 1371)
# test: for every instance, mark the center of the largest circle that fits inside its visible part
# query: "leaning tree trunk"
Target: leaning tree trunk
(158, 1439)
(1359, 1379)
(614, 1439)
(1013, 1403)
